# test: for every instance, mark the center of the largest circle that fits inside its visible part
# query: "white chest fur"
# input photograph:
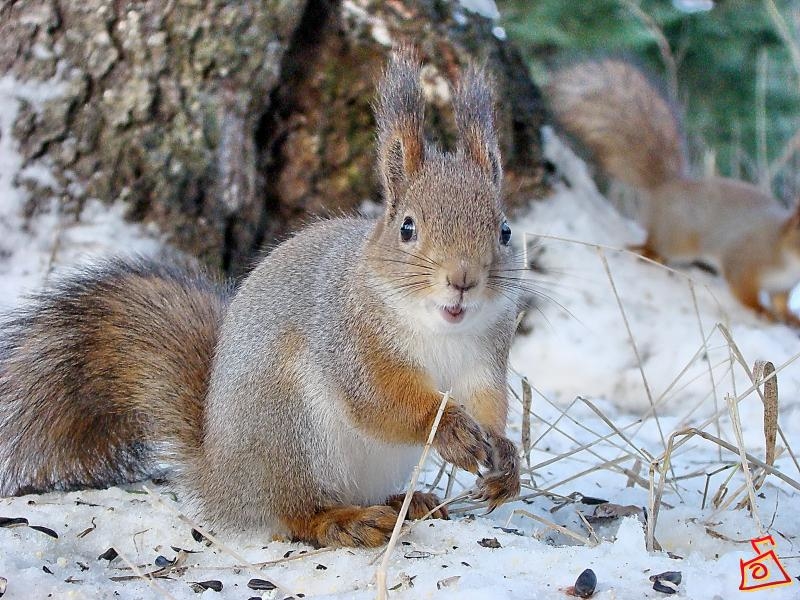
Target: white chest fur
(456, 363)
(350, 464)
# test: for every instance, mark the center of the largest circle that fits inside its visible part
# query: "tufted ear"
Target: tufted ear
(399, 113)
(473, 106)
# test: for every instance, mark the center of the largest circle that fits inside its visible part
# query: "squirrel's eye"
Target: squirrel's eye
(505, 233)
(408, 231)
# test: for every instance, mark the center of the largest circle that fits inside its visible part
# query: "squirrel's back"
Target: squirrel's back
(102, 364)
(619, 115)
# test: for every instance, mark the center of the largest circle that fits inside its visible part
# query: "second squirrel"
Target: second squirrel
(612, 108)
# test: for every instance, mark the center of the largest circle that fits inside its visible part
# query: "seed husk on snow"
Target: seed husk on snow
(163, 561)
(261, 584)
(585, 584)
(443, 583)
(45, 530)
(667, 582)
(23, 522)
(417, 554)
(590, 500)
(108, 555)
(199, 537)
(513, 530)
(202, 586)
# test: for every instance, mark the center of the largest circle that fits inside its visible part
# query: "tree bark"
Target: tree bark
(228, 123)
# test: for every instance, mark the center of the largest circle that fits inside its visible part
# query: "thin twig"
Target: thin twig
(632, 341)
(568, 532)
(761, 120)
(384, 566)
(149, 580)
(707, 361)
(663, 45)
(733, 407)
(592, 533)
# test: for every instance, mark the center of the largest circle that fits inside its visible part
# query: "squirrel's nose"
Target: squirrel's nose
(462, 281)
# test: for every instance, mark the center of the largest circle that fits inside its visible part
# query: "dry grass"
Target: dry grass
(606, 444)
(708, 420)
(612, 444)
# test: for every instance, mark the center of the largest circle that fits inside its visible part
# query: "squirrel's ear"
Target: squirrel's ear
(473, 106)
(399, 114)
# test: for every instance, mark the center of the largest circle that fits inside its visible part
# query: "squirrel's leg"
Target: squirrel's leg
(780, 307)
(501, 482)
(404, 406)
(421, 504)
(353, 526)
(746, 288)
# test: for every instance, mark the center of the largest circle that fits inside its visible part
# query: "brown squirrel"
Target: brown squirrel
(299, 402)
(613, 109)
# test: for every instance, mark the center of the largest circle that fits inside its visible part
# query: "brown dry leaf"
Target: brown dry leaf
(527, 399)
(761, 370)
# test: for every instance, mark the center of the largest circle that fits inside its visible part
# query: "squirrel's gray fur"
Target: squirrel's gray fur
(326, 371)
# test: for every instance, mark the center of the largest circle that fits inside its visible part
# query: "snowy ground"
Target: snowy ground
(581, 348)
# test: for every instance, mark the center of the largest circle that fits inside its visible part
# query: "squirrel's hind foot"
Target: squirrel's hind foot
(348, 526)
(421, 504)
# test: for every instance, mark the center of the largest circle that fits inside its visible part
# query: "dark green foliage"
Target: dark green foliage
(717, 54)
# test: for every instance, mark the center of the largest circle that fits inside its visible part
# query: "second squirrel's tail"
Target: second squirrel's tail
(106, 376)
(612, 108)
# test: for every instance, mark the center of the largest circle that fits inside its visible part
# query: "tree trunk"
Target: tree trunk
(228, 123)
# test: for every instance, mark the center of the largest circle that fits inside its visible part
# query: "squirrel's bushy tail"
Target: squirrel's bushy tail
(105, 376)
(614, 110)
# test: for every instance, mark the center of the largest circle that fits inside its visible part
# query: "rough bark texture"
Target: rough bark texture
(228, 123)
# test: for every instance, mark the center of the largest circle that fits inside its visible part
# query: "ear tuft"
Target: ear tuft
(473, 106)
(399, 112)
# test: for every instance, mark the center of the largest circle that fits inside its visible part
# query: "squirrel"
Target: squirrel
(299, 402)
(613, 109)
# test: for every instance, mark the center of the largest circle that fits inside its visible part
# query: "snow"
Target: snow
(580, 348)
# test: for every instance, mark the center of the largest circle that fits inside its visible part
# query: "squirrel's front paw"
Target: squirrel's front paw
(501, 482)
(461, 441)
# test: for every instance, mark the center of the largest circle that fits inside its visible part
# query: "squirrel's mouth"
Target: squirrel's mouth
(453, 314)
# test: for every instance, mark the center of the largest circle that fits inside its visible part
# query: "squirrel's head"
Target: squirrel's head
(442, 248)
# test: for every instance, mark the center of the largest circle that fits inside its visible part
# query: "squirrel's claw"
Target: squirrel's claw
(501, 482)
